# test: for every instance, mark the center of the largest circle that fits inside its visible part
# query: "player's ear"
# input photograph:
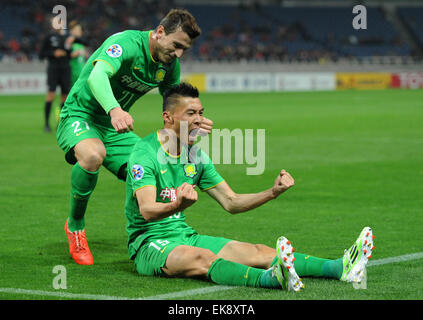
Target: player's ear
(160, 32)
(167, 117)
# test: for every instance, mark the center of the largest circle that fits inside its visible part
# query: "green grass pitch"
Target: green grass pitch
(356, 157)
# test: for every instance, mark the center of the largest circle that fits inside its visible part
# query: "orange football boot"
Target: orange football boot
(78, 246)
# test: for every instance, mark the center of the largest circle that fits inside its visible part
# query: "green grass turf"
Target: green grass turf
(356, 157)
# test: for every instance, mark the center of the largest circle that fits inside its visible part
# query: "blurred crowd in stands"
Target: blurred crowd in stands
(230, 33)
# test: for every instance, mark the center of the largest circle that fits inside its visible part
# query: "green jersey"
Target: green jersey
(150, 165)
(77, 63)
(135, 72)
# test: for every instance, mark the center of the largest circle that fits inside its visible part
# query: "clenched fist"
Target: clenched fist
(186, 196)
(282, 183)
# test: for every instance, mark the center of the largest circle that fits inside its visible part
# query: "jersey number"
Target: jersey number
(159, 244)
(77, 125)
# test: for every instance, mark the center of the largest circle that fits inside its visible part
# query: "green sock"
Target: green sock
(226, 272)
(268, 280)
(306, 265)
(333, 268)
(82, 185)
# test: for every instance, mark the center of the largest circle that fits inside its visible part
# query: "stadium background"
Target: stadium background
(270, 39)
(342, 110)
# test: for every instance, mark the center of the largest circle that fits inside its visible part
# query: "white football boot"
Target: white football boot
(284, 269)
(356, 258)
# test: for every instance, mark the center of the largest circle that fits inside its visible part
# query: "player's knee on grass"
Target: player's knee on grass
(187, 261)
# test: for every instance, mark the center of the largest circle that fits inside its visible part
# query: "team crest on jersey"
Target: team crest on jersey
(137, 171)
(160, 74)
(190, 170)
(114, 51)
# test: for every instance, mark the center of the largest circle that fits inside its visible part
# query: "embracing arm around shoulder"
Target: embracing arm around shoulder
(236, 203)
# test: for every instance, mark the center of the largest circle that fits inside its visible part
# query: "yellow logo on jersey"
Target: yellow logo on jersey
(81, 132)
(190, 170)
(160, 74)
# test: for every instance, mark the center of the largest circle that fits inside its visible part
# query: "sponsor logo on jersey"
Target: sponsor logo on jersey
(137, 171)
(168, 193)
(114, 51)
(128, 82)
(190, 170)
(81, 132)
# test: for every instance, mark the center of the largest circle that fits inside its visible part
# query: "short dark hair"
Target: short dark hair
(181, 18)
(184, 89)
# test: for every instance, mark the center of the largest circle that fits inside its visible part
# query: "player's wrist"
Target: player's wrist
(274, 193)
(114, 110)
(175, 206)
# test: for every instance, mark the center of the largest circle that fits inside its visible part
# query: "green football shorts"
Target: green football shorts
(152, 254)
(118, 146)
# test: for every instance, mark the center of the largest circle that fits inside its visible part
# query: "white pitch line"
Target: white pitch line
(406, 257)
(179, 294)
(61, 294)
(185, 293)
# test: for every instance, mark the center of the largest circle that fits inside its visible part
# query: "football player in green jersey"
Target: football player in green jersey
(78, 52)
(164, 169)
(95, 127)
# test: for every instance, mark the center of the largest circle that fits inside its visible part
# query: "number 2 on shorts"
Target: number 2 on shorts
(77, 125)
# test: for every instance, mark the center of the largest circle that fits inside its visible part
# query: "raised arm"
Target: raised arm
(236, 203)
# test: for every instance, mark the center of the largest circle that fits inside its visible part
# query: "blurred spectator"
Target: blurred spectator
(3, 44)
(14, 45)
